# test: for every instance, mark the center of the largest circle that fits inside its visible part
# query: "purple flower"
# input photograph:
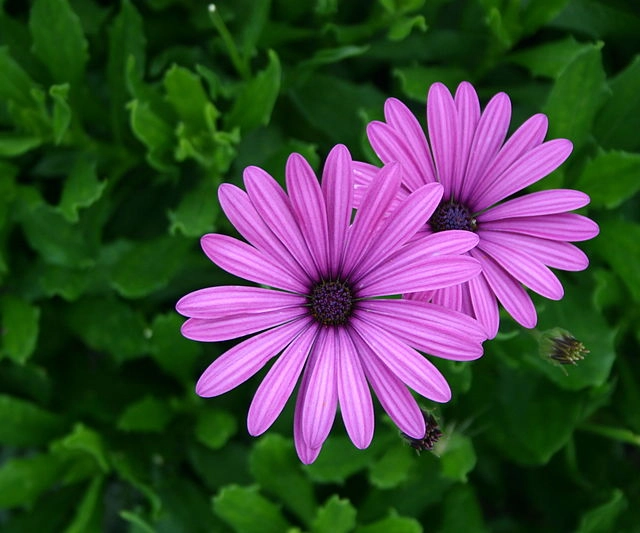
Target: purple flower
(320, 305)
(467, 154)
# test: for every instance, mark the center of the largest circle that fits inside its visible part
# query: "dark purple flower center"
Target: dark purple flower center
(452, 215)
(331, 303)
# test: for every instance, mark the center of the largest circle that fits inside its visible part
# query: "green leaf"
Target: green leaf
(602, 519)
(154, 132)
(536, 14)
(457, 456)
(335, 516)
(123, 465)
(326, 56)
(146, 415)
(276, 468)
(148, 266)
(416, 80)
(461, 497)
(173, 353)
(81, 189)
(245, 510)
(15, 144)
(616, 125)
(20, 328)
(255, 100)
(392, 468)
(187, 96)
(214, 427)
(61, 111)
(87, 518)
(338, 461)
(576, 96)
(15, 83)
(26, 424)
(393, 522)
(23, 480)
(550, 59)
(619, 245)
(610, 178)
(58, 40)
(401, 28)
(84, 442)
(197, 211)
(141, 525)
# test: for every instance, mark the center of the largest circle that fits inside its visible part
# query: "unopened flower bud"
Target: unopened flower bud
(559, 346)
(431, 436)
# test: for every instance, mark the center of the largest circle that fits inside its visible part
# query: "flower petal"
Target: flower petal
(244, 261)
(321, 395)
(406, 363)
(238, 364)
(306, 454)
(563, 227)
(449, 297)
(549, 202)
(226, 300)
(277, 385)
(468, 108)
(484, 305)
(441, 122)
(363, 175)
(353, 392)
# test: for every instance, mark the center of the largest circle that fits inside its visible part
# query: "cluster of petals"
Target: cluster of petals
(521, 236)
(295, 241)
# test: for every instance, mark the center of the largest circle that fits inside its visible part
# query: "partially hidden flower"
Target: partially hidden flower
(466, 152)
(321, 306)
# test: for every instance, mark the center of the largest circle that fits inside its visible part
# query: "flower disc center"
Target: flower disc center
(331, 303)
(452, 215)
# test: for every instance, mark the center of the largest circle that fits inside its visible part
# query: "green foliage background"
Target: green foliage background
(117, 122)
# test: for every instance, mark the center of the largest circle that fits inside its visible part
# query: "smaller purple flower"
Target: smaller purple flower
(321, 306)
(466, 152)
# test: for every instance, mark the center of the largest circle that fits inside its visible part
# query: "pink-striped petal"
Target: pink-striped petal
(353, 392)
(468, 108)
(451, 242)
(406, 363)
(531, 167)
(306, 454)
(450, 297)
(307, 202)
(484, 305)
(321, 396)
(226, 300)
(441, 122)
(508, 291)
(549, 202)
(244, 261)
(393, 395)
(363, 175)
(238, 364)
(276, 387)
(563, 227)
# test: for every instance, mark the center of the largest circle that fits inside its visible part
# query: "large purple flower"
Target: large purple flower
(321, 304)
(467, 154)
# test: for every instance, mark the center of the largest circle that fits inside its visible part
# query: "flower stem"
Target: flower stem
(619, 434)
(240, 65)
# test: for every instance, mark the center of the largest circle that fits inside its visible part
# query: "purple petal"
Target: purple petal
(527, 270)
(441, 121)
(484, 305)
(563, 227)
(337, 186)
(531, 167)
(510, 293)
(309, 208)
(214, 302)
(353, 392)
(451, 242)
(538, 203)
(406, 363)
(363, 175)
(321, 395)
(306, 454)
(238, 364)
(276, 387)
(401, 119)
(274, 207)
(428, 274)
(244, 261)
(450, 297)
(468, 108)
(394, 397)
(427, 327)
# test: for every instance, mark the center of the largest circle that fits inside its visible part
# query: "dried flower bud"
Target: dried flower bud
(431, 436)
(562, 348)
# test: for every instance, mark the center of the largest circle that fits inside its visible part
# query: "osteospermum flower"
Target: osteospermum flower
(321, 304)
(467, 154)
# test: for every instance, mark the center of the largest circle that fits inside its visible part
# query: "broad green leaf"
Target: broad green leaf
(602, 519)
(140, 525)
(123, 465)
(26, 424)
(276, 468)
(81, 189)
(244, 509)
(187, 96)
(616, 125)
(58, 40)
(148, 266)
(416, 80)
(173, 353)
(326, 56)
(23, 480)
(610, 178)
(69, 283)
(536, 14)
(619, 245)
(550, 59)
(335, 516)
(577, 94)
(198, 210)
(61, 118)
(85, 442)
(20, 328)
(392, 468)
(462, 497)
(215, 427)
(255, 100)
(15, 144)
(87, 518)
(146, 415)
(339, 460)
(457, 456)
(185, 506)
(15, 83)
(402, 28)
(393, 522)
(154, 132)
